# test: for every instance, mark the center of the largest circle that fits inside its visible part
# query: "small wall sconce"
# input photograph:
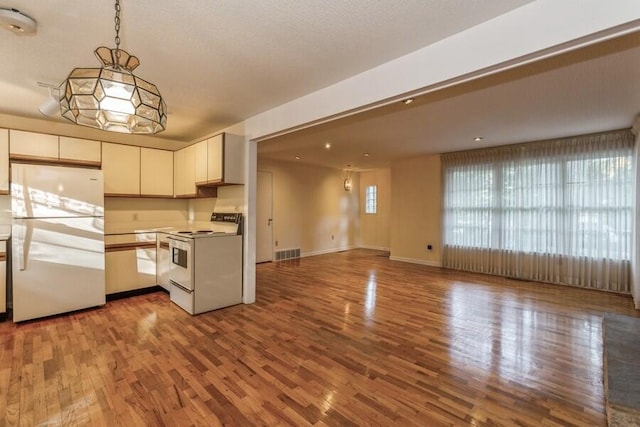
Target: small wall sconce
(348, 182)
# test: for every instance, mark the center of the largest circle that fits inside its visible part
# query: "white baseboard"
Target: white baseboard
(375, 248)
(327, 251)
(416, 261)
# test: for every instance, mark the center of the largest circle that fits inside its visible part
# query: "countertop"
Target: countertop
(140, 228)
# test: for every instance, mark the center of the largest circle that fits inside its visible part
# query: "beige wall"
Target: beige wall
(129, 214)
(416, 210)
(230, 199)
(375, 228)
(310, 206)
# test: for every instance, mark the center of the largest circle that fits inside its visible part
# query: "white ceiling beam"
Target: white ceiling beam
(537, 30)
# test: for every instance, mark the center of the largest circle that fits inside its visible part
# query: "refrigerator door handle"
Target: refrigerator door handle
(26, 246)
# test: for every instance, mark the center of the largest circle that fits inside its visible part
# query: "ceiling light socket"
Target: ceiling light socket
(17, 22)
(477, 139)
(50, 107)
(408, 101)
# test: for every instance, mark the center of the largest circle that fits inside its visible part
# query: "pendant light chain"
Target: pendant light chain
(117, 21)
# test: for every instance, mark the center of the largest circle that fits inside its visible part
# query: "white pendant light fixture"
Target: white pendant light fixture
(112, 98)
(348, 183)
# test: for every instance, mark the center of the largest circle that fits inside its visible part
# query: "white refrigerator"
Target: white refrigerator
(57, 240)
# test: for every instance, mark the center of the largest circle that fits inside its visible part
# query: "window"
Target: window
(371, 199)
(531, 210)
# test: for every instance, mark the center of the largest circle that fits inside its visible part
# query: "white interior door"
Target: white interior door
(264, 217)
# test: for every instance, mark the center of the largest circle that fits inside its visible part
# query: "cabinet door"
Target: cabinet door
(201, 162)
(4, 161)
(233, 166)
(129, 269)
(189, 168)
(130, 262)
(121, 168)
(3, 276)
(156, 172)
(163, 261)
(80, 150)
(178, 173)
(215, 159)
(25, 145)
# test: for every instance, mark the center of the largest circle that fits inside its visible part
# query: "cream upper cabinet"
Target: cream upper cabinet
(178, 173)
(190, 170)
(80, 150)
(233, 159)
(32, 145)
(4, 161)
(220, 160)
(201, 162)
(52, 148)
(121, 168)
(209, 163)
(185, 172)
(156, 172)
(214, 159)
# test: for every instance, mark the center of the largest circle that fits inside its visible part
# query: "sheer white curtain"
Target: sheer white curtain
(554, 211)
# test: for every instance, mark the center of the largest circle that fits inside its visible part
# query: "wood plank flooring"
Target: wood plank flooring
(343, 339)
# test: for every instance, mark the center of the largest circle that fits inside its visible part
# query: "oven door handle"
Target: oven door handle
(174, 283)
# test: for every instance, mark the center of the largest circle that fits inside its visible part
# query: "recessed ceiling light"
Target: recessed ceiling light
(327, 145)
(366, 154)
(297, 157)
(408, 101)
(477, 139)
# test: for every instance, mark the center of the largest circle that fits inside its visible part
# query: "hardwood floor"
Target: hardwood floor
(342, 339)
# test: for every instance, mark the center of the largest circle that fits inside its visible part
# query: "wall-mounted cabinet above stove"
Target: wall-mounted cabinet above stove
(216, 161)
(220, 160)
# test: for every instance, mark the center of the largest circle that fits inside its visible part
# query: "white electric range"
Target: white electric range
(205, 271)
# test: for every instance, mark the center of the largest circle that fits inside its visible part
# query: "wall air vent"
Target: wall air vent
(287, 254)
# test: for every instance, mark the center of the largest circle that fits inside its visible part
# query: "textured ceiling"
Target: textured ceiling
(218, 63)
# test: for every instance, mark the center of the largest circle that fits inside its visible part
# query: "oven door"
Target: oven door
(181, 263)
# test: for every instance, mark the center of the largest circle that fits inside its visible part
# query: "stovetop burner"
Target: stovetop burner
(194, 232)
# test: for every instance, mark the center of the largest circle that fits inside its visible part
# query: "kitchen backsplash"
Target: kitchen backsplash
(130, 214)
(230, 199)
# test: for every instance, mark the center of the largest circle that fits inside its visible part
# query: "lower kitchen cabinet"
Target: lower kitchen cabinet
(163, 261)
(130, 262)
(3, 280)
(4, 161)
